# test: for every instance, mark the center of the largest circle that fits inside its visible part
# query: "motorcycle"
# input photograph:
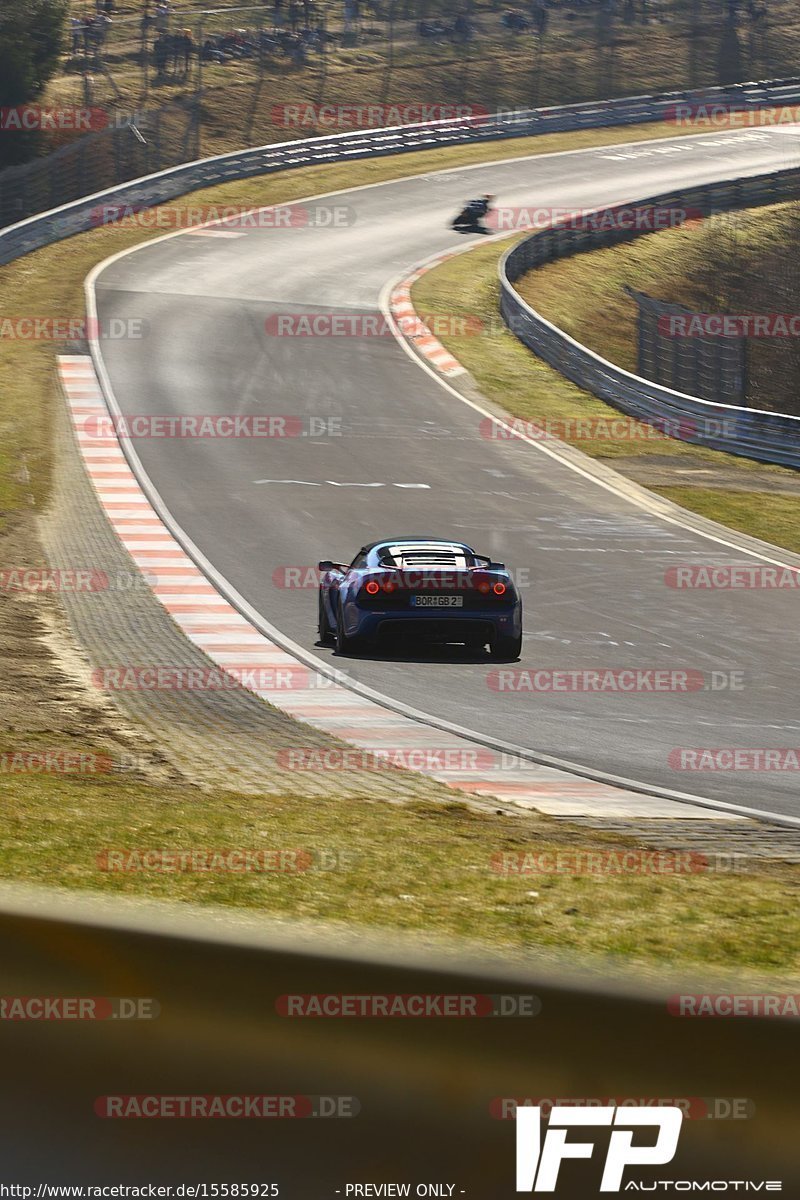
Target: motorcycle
(470, 219)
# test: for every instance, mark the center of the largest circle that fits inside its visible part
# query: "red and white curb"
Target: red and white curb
(245, 656)
(415, 330)
(207, 231)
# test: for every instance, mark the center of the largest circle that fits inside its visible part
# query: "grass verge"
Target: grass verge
(421, 868)
(773, 518)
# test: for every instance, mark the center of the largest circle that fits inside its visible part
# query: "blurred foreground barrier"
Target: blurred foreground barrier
(427, 1098)
(752, 433)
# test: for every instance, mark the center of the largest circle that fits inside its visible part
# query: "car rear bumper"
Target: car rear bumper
(454, 626)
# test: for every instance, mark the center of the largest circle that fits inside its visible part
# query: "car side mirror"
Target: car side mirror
(327, 565)
(493, 566)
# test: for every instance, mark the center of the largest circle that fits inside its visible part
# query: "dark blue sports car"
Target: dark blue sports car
(420, 589)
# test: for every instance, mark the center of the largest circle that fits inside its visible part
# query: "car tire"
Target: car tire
(326, 634)
(344, 644)
(506, 649)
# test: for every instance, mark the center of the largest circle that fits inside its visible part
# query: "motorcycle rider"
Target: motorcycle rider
(470, 219)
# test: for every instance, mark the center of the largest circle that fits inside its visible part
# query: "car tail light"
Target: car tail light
(384, 582)
(487, 585)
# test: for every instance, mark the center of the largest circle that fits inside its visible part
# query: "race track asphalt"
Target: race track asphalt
(406, 456)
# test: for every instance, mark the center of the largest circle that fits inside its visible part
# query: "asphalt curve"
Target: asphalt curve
(405, 456)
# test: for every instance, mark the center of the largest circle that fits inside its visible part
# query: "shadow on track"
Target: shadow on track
(449, 653)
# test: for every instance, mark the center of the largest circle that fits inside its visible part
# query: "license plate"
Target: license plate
(437, 601)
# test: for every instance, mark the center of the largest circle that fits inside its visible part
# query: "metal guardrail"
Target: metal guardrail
(429, 1092)
(158, 188)
(751, 433)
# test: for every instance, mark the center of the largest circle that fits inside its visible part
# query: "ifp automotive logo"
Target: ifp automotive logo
(539, 1160)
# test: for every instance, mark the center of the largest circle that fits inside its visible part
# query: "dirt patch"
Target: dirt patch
(35, 694)
(46, 702)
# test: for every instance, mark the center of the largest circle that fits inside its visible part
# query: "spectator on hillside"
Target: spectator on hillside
(294, 15)
(102, 23)
(351, 15)
(277, 18)
(76, 29)
(462, 28)
(162, 16)
(145, 27)
(516, 21)
(233, 44)
(161, 50)
(88, 33)
(212, 53)
(185, 48)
